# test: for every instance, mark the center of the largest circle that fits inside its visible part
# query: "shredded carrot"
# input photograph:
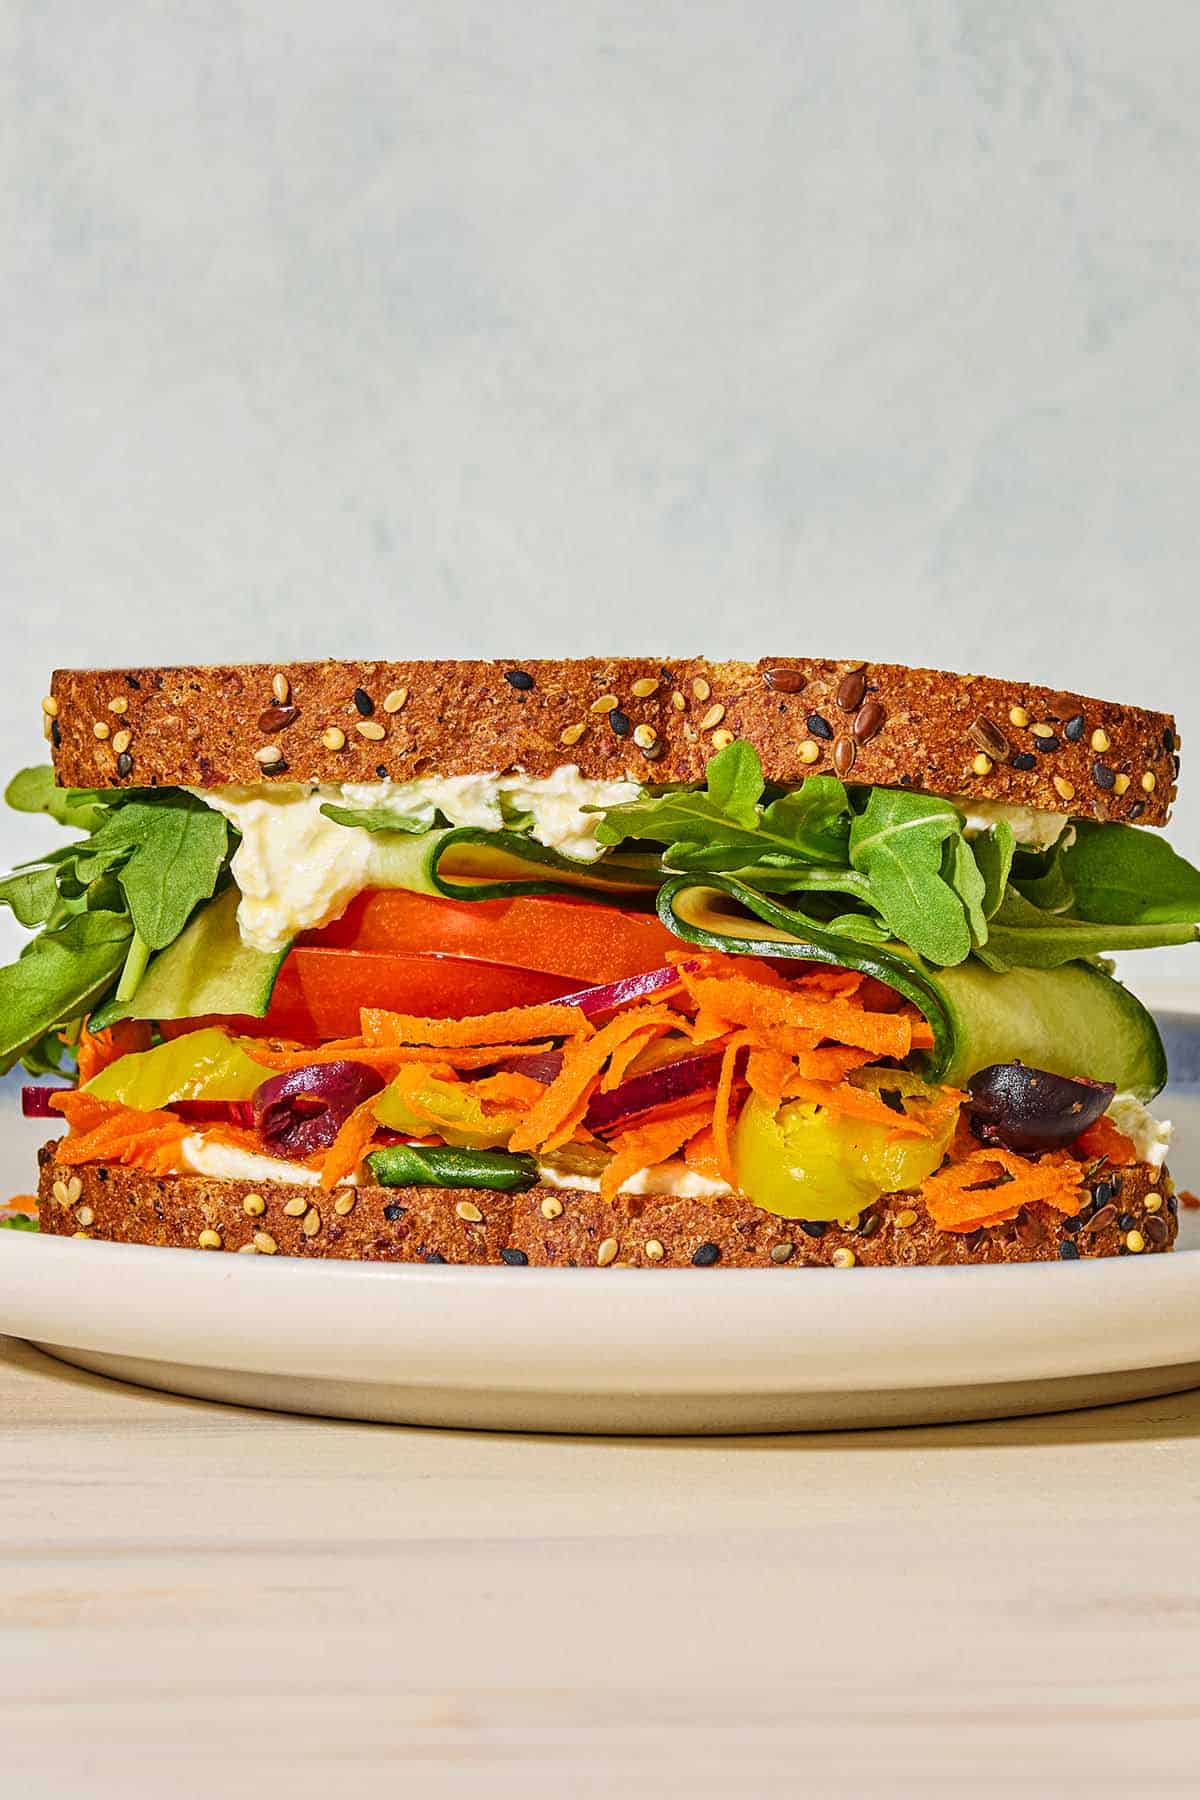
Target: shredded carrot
(854, 1103)
(747, 1003)
(628, 1052)
(700, 1155)
(389, 1060)
(517, 1025)
(97, 1049)
(963, 1195)
(20, 1203)
(583, 1064)
(1103, 1139)
(831, 1062)
(346, 1151)
(509, 1085)
(720, 1118)
(769, 1072)
(106, 1131)
(647, 1146)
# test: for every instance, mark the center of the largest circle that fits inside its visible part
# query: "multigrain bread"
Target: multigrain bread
(1131, 1211)
(881, 723)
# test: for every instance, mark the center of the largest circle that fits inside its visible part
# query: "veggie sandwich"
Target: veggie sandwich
(596, 963)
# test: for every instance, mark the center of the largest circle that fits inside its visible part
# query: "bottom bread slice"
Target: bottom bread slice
(1121, 1212)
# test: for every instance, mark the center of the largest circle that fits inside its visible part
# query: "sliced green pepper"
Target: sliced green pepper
(436, 1165)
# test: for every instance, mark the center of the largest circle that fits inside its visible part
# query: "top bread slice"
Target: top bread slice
(657, 720)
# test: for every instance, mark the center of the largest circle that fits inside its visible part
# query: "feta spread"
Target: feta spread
(1151, 1137)
(1032, 828)
(297, 870)
(227, 1162)
(668, 1178)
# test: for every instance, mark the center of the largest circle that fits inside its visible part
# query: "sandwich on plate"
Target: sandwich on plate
(597, 963)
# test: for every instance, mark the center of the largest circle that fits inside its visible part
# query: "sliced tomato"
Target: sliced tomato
(320, 991)
(591, 943)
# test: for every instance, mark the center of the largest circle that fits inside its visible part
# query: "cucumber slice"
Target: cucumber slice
(467, 863)
(1072, 1020)
(208, 969)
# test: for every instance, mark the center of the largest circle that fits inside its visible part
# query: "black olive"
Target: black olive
(1031, 1109)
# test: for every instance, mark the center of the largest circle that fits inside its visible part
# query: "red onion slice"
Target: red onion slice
(617, 994)
(35, 1102)
(212, 1112)
(679, 1080)
(304, 1110)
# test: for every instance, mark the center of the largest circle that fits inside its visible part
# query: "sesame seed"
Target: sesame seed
(56, 734)
(619, 722)
(607, 1252)
(100, 728)
(605, 704)
(363, 702)
(712, 717)
(333, 738)
(1121, 784)
(678, 701)
(50, 706)
(1023, 760)
(49, 727)
(807, 751)
(1135, 1243)
(1043, 731)
(1149, 782)
(433, 1256)
(1101, 741)
(393, 702)
(209, 1240)
(265, 1243)
(982, 764)
(654, 1250)
(281, 688)
(701, 688)
(819, 726)
(295, 1209)
(78, 1234)
(1018, 716)
(344, 1204)
(371, 730)
(645, 737)
(704, 1255)
(516, 1259)
(393, 1211)
(312, 1222)
(119, 705)
(722, 739)
(781, 1253)
(551, 1207)
(849, 1223)
(247, 1250)
(843, 1259)
(1073, 729)
(520, 679)
(906, 1218)
(269, 755)
(1152, 1202)
(85, 1215)
(468, 1211)
(255, 1205)
(1063, 788)
(74, 1190)
(573, 733)
(644, 687)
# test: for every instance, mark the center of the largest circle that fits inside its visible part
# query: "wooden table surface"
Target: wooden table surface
(201, 1601)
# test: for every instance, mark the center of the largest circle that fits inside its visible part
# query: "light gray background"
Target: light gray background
(727, 325)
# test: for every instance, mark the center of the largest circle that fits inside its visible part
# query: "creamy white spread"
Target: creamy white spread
(1035, 829)
(1151, 1137)
(227, 1162)
(297, 870)
(668, 1178)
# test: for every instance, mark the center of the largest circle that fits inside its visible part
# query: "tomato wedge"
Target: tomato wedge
(591, 943)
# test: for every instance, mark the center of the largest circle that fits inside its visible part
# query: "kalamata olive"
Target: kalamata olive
(1031, 1109)
(305, 1109)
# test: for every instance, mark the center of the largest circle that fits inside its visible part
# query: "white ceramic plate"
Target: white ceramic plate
(616, 1350)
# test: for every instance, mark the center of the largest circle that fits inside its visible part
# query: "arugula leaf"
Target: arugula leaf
(696, 815)
(1022, 935)
(897, 842)
(376, 818)
(33, 791)
(18, 1222)
(734, 777)
(1126, 876)
(963, 874)
(32, 894)
(174, 848)
(57, 977)
(994, 850)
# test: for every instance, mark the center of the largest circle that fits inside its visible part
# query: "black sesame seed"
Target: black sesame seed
(1046, 745)
(1069, 1252)
(1118, 1182)
(516, 1259)
(704, 1254)
(133, 682)
(870, 1225)
(394, 1211)
(101, 1174)
(1073, 729)
(1122, 1249)
(1126, 1221)
(381, 771)
(364, 702)
(1103, 1192)
(1175, 765)
(814, 1228)
(1103, 776)
(1073, 1224)
(1136, 809)
(909, 780)
(124, 763)
(56, 734)
(519, 679)
(433, 1257)
(1023, 760)
(820, 728)
(1168, 738)
(619, 722)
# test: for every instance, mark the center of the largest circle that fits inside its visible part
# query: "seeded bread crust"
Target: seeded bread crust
(657, 720)
(413, 1225)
